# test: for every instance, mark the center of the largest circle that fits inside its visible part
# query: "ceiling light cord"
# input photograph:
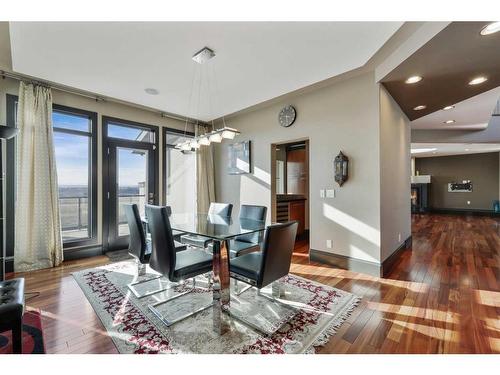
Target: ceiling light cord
(218, 96)
(191, 88)
(205, 86)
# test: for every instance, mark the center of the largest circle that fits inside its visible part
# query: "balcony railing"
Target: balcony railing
(75, 214)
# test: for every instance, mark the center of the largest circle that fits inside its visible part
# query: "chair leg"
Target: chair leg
(131, 287)
(168, 323)
(237, 288)
(277, 289)
(277, 294)
(17, 337)
(141, 271)
(248, 324)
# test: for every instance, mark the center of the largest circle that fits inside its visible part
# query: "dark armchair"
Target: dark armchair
(267, 266)
(221, 209)
(140, 248)
(176, 266)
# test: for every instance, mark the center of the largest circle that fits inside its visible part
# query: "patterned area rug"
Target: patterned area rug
(306, 316)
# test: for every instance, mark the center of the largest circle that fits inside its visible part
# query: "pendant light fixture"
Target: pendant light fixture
(215, 135)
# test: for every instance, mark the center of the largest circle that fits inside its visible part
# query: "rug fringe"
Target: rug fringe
(331, 330)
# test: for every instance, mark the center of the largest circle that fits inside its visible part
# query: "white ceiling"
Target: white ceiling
(471, 114)
(255, 61)
(422, 150)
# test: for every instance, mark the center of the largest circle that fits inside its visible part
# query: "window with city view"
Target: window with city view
(74, 149)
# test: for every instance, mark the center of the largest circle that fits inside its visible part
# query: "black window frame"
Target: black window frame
(166, 146)
(93, 186)
(10, 185)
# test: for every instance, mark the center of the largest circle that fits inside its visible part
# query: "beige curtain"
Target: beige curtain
(38, 240)
(205, 185)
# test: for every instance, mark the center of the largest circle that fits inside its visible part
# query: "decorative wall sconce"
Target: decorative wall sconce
(341, 167)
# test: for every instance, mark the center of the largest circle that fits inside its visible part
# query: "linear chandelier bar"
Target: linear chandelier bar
(206, 139)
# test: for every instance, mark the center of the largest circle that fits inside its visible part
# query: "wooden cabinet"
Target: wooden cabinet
(292, 210)
(296, 172)
(297, 211)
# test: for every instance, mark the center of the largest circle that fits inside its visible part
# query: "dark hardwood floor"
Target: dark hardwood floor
(443, 296)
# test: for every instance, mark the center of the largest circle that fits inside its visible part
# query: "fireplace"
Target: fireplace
(419, 198)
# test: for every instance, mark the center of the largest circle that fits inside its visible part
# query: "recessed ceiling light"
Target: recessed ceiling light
(467, 149)
(413, 79)
(492, 28)
(449, 122)
(419, 107)
(448, 107)
(151, 91)
(478, 80)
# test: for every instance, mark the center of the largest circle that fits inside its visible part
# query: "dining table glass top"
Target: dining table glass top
(214, 226)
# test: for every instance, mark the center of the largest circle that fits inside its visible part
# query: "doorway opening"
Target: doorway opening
(290, 186)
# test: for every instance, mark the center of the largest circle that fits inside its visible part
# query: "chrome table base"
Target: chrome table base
(221, 286)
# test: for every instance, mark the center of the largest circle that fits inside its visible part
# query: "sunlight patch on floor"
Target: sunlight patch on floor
(430, 331)
(437, 315)
(488, 298)
(494, 344)
(340, 273)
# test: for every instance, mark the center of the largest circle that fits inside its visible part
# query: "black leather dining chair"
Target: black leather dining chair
(140, 248)
(248, 243)
(221, 209)
(176, 266)
(177, 234)
(259, 269)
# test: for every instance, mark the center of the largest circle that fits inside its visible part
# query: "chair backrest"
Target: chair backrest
(251, 212)
(277, 250)
(163, 255)
(137, 239)
(222, 209)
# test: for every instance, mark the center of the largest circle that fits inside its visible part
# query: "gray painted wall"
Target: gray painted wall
(395, 171)
(481, 169)
(343, 116)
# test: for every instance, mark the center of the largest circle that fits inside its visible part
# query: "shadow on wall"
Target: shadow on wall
(255, 188)
(362, 237)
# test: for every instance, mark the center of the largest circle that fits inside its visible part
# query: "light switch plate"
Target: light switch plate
(330, 193)
(322, 193)
(329, 244)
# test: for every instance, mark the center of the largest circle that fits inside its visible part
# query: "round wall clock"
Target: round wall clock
(287, 116)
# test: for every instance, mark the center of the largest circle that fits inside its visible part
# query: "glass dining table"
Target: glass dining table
(220, 229)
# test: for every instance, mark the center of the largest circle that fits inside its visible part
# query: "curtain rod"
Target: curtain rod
(21, 77)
